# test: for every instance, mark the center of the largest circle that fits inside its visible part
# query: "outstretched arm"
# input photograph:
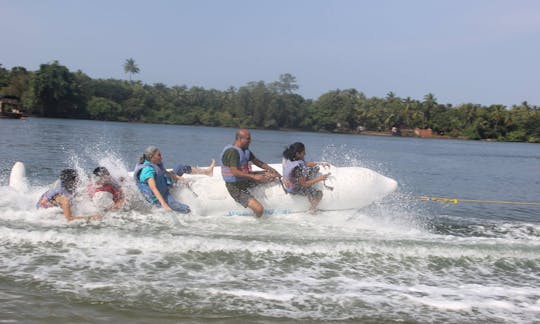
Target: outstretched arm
(176, 177)
(272, 172)
(155, 191)
(312, 164)
(63, 201)
(252, 176)
(305, 182)
(119, 202)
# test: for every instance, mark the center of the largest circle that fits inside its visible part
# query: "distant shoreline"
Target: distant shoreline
(406, 133)
(409, 133)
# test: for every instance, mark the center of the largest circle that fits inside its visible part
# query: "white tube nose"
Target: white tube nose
(17, 177)
(391, 184)
(382, 186)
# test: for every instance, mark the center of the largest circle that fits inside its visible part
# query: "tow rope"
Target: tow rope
(478, 201)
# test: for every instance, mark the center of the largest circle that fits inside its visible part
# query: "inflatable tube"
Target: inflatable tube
(17, 177)
(353, 188)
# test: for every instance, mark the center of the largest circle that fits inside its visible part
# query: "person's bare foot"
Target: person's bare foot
(210, 169)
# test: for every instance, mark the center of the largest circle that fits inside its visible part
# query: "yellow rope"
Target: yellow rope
(456, 201)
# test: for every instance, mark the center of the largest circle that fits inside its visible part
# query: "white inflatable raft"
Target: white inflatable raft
(353, 188)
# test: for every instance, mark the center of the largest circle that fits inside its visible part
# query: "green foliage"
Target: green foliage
(285, 85)
(54, 91)
(57, 92)
(115, 90)
(103, 109)
(18, 81)
(4, 77)
(516, 136)
(336, 110)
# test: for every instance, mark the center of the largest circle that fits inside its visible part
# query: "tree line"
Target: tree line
(55, 91)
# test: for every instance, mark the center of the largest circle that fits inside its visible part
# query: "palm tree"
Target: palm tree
(499, 115)
(390, 96)
(428, 106)
(131, 67)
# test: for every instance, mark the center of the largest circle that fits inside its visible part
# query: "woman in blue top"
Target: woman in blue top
(153, 181)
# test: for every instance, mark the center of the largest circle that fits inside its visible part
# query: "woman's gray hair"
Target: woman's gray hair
(148, 153)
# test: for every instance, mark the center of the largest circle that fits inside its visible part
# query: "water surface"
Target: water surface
(399, 260)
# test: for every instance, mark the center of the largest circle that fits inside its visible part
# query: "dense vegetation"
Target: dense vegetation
(54, 91)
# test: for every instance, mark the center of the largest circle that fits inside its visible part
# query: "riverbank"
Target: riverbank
(409, 133)
(419, 133)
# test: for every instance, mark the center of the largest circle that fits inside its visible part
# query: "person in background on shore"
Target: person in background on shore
(61, 193)
(153, 181)
(237, 174)
(299, 176)
(104, 191)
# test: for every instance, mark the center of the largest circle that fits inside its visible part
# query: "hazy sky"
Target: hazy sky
(480, 51)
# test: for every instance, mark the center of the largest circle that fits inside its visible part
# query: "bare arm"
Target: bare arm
(312, 164)
(155, 191)
(272, 172)
(118, 203)
(176, 177)
(119, 197)
(63, 201)
(242, 174)
(304, 182)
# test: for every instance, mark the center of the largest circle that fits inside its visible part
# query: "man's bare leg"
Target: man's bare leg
(256, 206)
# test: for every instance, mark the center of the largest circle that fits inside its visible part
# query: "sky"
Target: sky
(462, 51)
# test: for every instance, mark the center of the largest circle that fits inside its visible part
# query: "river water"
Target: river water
(401, 259)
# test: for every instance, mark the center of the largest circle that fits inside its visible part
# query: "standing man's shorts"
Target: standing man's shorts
(239, 191)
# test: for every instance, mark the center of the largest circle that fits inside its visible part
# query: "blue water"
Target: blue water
(401, 259)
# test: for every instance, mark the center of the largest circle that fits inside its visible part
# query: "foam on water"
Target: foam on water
(383, 262)
(299, 267)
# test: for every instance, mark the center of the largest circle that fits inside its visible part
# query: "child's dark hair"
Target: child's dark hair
(291, 151)
(68, 179)
(101, 171)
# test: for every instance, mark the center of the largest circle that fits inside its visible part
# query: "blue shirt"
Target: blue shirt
(147, 173)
